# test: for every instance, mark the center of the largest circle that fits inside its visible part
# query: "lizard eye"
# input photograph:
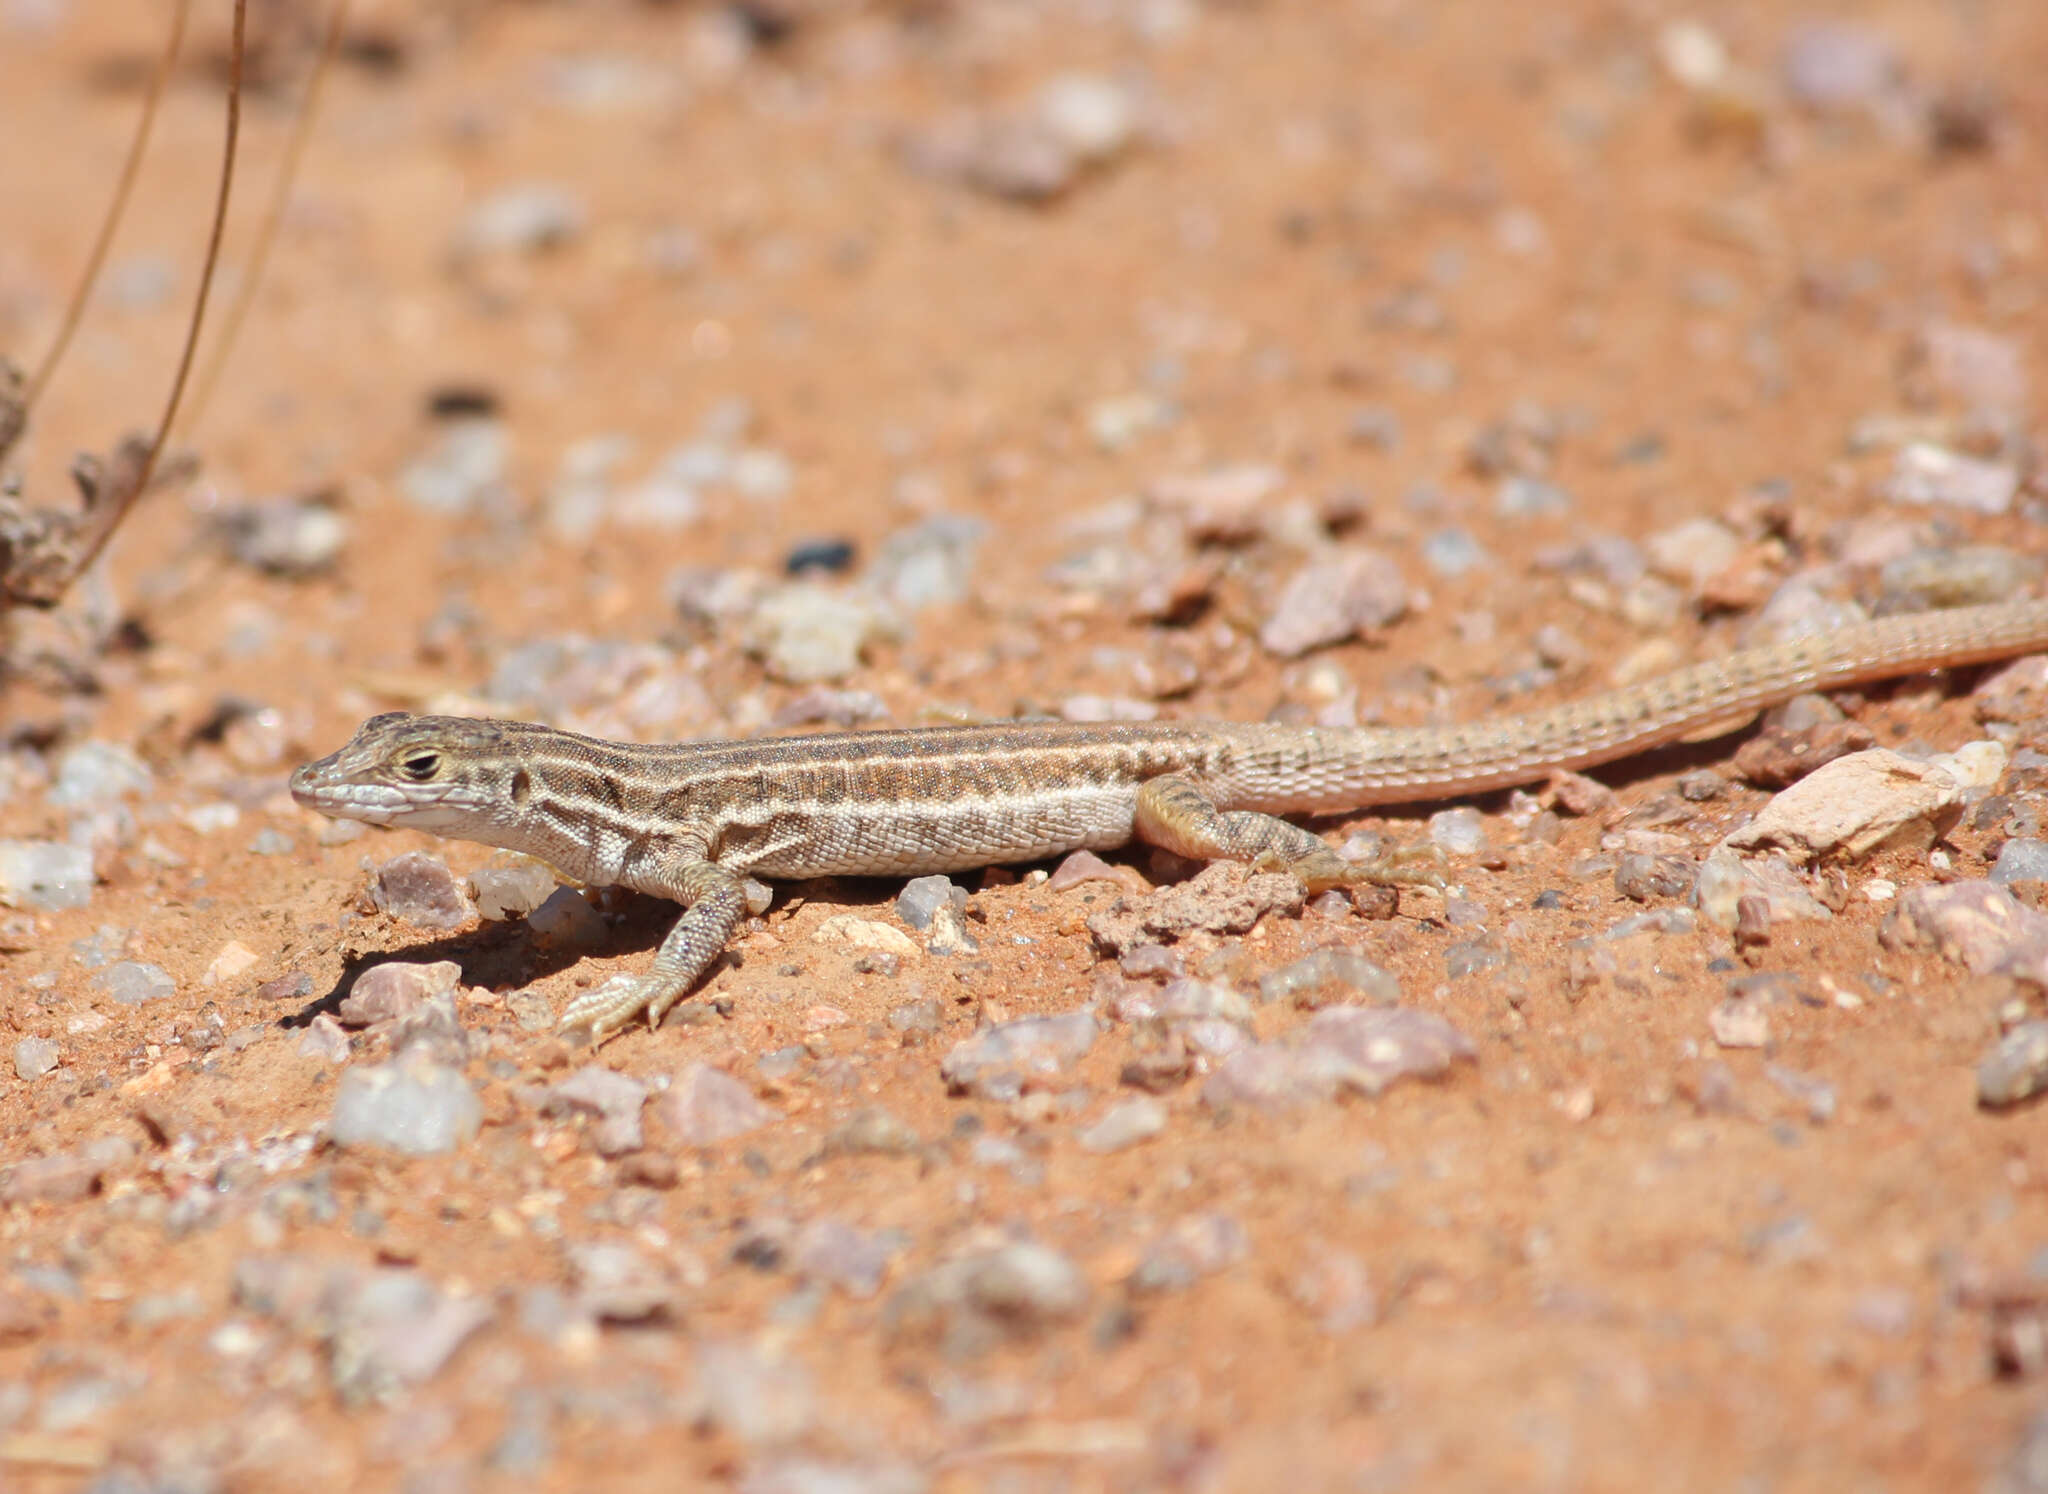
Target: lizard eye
(420, 766)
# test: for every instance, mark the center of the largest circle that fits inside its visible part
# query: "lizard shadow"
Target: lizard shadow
(503, 955)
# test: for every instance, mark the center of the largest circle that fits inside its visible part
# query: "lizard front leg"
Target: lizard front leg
(1175, 814)
(716, 902)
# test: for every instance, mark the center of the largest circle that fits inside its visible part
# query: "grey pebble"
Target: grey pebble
(873, 1131)
(94, 773)
(921, 899)
(930, 563)
(1013, 1290)
(1924, 473)
(1474, 957)
(395, 989)
(1809, 1090)
(995, 1062)
(132, 982)
(1340, 1048)
(2022, 859)
(1318, 978)
(853, 1260)
(524, 219)
(1330, 600)
(504, 892)
(1453, 552)
(616, 1283)
(420, 889)
(1522, 497)
(1643, 877)
(325, 1041)
(706, 1106)
(566, 921)
(753, 1396)
(416, 1106)
(2017, 1069)
(270, 841)
(1191, 1248)
(34, 1057)
(465, 465)
(285, 536)
(45, 874)
(1125, 1125)
(1458, 832)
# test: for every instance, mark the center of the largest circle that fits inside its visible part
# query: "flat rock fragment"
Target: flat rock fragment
(1855, 804)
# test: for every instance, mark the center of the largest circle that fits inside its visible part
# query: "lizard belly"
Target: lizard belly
(882, 841)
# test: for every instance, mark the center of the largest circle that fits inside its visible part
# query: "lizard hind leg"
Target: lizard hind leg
(1175, 814)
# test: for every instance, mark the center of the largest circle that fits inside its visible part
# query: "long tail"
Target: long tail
(1329, 770)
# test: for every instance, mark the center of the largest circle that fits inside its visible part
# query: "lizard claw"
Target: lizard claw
(606, 1011)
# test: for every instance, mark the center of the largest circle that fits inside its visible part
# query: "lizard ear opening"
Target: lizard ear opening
(522, 786)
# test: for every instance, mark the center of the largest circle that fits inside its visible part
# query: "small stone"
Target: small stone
(394, 989)
(706, 1106)
(416, 1106)
(2015, 1070)
(852, 1260)
(391, 1329)
(1329, 601)
(1781, 755)
(65, 1177)
(929, 564)
(1225, 897)
(1979, 925)
(754, 1397)
(1094, 117)
(831, 557)
(1924, 473)
(1125, 1125)
(864, 933)
(1855, 804)
(1327, 977)
(524, 219)
(465, 466)
(95, 773)
(1341, 1048)
(1453, 552)
(807, 633)
(1738, 1023)
(921, 899)
(997, 1062)
(1643, 878)
(1814, 1094)
(530, 1010)
(132, 982)
(1198, 1246)
(873, 1131)
(285, 536)
(234, 960)
(34, 1057)
(565, 921)
(1831, 66)
(1083, 866)
(45, 874)
(2022, 859)
(616, 1283)
(271, 841)
(1458, 832)
(504, 892)
(1011, 1291)
(325, 1041)
(420, 889)
(1334, 1288)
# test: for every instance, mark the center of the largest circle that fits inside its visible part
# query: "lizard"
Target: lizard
(690, 821)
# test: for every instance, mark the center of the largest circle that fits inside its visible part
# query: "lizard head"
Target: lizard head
(445, 774)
